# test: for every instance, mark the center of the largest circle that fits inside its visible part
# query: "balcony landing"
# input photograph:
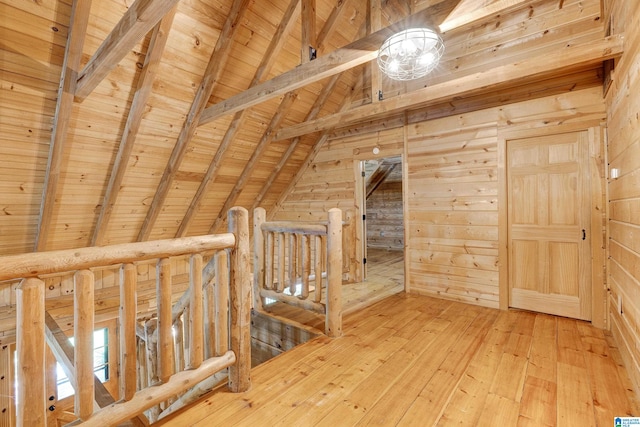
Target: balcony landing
(414, 360)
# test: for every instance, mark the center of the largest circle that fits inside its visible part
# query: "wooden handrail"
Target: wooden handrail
(39, 263)
(231, 348)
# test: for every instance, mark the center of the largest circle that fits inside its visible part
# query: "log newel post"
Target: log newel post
(128, 307)
(30, 352)
(333, 327)
(83, 284)
(240, 294)
(259, 217)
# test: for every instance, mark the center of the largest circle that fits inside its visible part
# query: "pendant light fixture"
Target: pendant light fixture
(410, 54)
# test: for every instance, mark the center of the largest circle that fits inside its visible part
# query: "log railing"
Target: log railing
(232, 338)
(300, 264)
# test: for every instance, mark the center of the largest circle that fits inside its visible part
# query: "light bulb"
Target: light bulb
(426, 58)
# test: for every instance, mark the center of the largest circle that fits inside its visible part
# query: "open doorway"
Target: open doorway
(383, 225)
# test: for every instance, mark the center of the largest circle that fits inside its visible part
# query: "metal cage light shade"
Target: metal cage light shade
(410, 54)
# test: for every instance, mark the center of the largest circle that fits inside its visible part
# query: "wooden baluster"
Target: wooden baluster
(179, 339)
(318, 267)
(83, 316)
(30, 353)
(196, 315)
(299, 262)
(128, 307)
(210, 319)
(333, 327)
(166, 359)
(142, 364)
(259, 217)
(293, 252)
(150, 328)
(222, 304)
(281, 262)
(240, 293)
(270, 261)
(305, 247)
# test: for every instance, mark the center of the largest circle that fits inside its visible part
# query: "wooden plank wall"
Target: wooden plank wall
(452, 192)
(452, 188)
(623, 106)
(541, 25)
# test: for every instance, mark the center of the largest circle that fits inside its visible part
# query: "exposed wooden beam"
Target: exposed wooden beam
(308, 161)
(330, 25)
(64, 107)
(137, 21)
(308, 39)
(562, 60)
(313, 113)
(327, 89)
(138, 105)
(469, 11)
(277, 42)
(214, 69)
(345, 58)
(282, 111)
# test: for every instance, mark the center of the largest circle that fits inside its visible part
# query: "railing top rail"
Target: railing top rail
(38, 263)
(295, 227)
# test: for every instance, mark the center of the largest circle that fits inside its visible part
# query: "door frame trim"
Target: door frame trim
(595, 130)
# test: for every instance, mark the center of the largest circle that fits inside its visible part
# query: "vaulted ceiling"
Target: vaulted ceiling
(128, 120)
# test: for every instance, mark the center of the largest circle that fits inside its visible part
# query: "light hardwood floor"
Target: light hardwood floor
(417, 361)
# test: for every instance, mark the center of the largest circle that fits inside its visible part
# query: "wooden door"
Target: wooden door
(548, 215)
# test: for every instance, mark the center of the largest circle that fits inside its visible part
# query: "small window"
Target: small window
(100, 363)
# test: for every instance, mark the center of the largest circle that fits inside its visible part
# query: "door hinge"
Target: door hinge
(363, 174)
(364, 217)
(364, 261)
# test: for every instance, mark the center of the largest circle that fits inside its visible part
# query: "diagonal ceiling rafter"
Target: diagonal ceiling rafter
(64, 107)
(134, 119)
(322, 138)
(283, 109)
(326, 31)
(137, 21)
(212, 73)
(277, 43)
(319, 104)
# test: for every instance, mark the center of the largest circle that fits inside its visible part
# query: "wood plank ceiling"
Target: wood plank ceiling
(132, 120)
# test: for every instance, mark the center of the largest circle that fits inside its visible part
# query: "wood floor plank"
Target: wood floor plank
(608, 392)
(415, 360)
(359, 400)
(538, 403)
(543, 355)
(499, 411)
(575, 405)
(468, 401)
(439, 389)
(392, 405)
